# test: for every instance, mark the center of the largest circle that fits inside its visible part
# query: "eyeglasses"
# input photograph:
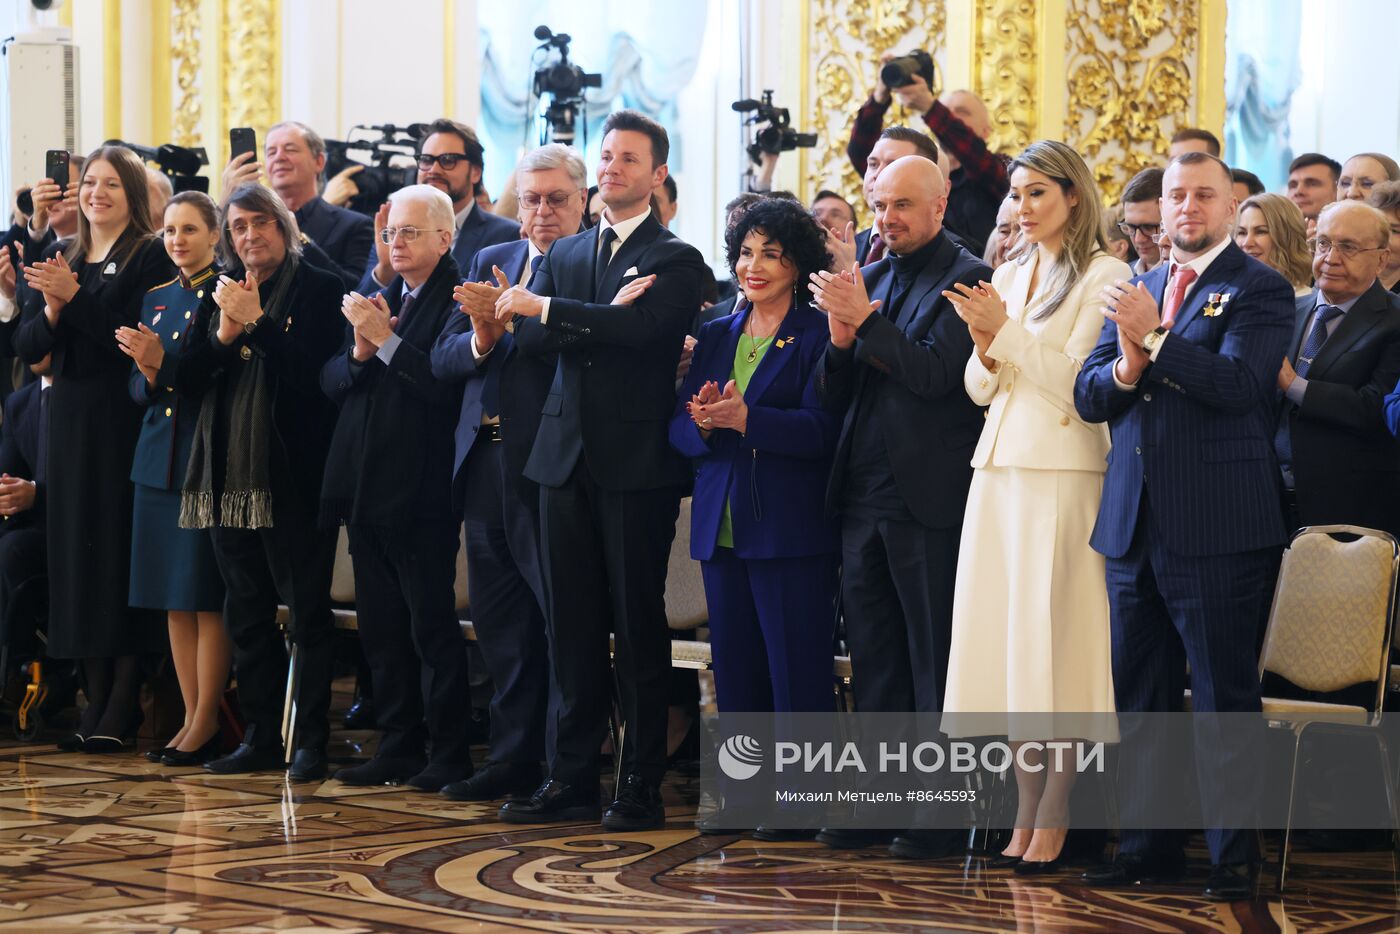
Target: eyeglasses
(239, 229)
(409, 234)
(1151, 231)
(1349, 250)
(556, 199)
(448, 160)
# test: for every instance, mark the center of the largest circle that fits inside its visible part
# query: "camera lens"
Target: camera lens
(899, 72)
(25, 202)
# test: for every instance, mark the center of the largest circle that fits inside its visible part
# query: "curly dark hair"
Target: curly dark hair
(788, 224)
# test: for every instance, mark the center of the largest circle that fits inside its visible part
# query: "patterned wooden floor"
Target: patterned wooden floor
(115, 843)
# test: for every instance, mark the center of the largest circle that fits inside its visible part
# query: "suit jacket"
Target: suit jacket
(19, 452)
(520, 383)
(863, 244)
(1346, 465)
(389, 409)
(614, 388)
(774, 475)
(931, 426)
(1031, 421)
(1197, 430)
(342, 234)
(479, 230)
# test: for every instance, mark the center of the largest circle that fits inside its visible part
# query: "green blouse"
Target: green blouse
(747, 356)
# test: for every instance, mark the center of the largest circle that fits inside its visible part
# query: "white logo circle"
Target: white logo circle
(740, 757)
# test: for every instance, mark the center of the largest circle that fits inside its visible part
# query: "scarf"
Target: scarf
(246, 500)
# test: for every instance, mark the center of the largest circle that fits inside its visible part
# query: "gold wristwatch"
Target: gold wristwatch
(1153, 338)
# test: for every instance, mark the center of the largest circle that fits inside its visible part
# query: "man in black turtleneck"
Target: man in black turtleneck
(894, 366)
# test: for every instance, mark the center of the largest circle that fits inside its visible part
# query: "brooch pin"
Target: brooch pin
(156, 319)
(784, 341)
(1215, 304)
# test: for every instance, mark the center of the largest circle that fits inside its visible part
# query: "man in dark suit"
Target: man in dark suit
(22, 484)
(608, 473)
(1189, 522)
(1338, 461)
(397, 509)
(502, 397)
(450, 159)
(894, 369)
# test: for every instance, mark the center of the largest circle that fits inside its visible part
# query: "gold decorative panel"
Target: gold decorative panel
(846, 40)
(184, 62)
(1004, 74)
(1130, 82)
(252, 73)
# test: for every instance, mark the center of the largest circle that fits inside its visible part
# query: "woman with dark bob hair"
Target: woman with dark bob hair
(762, 445)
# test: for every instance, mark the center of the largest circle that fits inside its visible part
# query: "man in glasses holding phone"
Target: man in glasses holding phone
(451, 160)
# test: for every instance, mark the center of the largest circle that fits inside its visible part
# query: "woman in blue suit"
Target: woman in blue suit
(173, 569)
(762, 445)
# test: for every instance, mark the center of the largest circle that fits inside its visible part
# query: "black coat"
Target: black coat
(391, 455)
(19, 452)
(344, 235)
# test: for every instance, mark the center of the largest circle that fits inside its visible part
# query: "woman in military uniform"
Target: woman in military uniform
(173, 569)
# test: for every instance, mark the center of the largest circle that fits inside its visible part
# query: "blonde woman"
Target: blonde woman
(1030, 607)
(1271, 229)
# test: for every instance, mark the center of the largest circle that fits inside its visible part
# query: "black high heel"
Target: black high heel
(203, 754)
(102, 745)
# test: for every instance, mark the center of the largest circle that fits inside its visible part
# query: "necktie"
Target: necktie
(1182, 277)
(876, 251)
(404, 306)
(1316, 337)
(600, 265)
(530, 270)
(41, 456)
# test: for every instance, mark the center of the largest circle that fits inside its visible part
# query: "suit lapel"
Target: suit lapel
(1215, 279)
(1355, 324)
(929, 278)
(625, 258)
(780, 351)
(1302, 313)
(518, 258)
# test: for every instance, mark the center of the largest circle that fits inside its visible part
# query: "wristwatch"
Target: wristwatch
(1153, 338)
(251, 326)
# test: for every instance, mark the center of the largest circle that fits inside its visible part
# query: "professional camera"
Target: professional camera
(778, 136)
(564, 82)
(179, 163)
(389, 154)
(900, 72)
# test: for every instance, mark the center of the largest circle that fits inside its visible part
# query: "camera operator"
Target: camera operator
(296, 156)
(160, 190)
(962, 124)
(450, 159)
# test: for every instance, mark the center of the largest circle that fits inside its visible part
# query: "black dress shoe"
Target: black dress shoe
(638, 806)
(194, 757)
(1132, 868)
(155, 755)
(72, 743)
(1036, 867)
(784, 834)
(1231, 883)
(1002, 861)
(435, 777)
(852, 838)
(247, 758)
(929, 844)
(379, 770)
(494, 781)
(552, 801)
(105, 745)
(712, 826)
(360, 716)
(308, 765)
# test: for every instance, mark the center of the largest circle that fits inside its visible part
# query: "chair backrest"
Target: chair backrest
(343, 577)
(685, 589)
(1330, 626)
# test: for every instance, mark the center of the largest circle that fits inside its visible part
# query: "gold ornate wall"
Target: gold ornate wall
(252, 70)
(1005, 75)
(185, 38)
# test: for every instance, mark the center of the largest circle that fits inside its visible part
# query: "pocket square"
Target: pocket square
(631, 271)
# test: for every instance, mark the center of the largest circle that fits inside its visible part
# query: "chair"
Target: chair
(1330, 628)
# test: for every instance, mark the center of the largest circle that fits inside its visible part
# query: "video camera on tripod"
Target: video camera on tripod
(389, 154)
(564, 82)
(178, 163)
(778, 136)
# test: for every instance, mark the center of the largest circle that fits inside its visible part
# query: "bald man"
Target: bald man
(894, 369)
(962, 124)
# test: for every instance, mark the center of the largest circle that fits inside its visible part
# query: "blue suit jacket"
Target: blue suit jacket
(774, 476)
(1197, 431)
(478, 231)
(19, 451)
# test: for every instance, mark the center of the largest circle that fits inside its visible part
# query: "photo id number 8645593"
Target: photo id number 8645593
(944, 796)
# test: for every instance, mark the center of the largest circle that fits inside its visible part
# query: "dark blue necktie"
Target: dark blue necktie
(600, 264)
(534, 268)
(1317, 336)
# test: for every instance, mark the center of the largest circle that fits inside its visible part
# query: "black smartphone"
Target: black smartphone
(242, 139)
(56, 167)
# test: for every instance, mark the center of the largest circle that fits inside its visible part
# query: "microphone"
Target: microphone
(745, 105)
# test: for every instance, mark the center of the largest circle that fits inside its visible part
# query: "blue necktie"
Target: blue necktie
(1317, 336)
(534, 268)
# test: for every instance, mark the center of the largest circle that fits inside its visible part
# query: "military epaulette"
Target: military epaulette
(162, 285)
(203, 277)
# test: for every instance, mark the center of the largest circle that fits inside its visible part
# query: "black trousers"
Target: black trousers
(897, 590)
(605, 556)
(23, 558)
(505, 580)
(292, 560)
(408, 626)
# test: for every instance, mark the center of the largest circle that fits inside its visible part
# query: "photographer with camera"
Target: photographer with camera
(450, 159)
(960, 122)
(296, 156)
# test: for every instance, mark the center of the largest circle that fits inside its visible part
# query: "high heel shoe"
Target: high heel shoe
(155, 755)
(101, 745)
(1003, 861)
(203, 754)
(1034, 867)
(74, 743)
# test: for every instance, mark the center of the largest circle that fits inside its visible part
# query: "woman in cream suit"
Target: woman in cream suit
(1030, 609)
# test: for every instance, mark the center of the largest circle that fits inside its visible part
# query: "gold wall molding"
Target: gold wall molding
(1004, 71)
(188, 106)
(1131, 82)
(251, 73)
(845, 41)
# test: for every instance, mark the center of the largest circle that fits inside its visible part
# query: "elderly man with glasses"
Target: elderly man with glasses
(451, 160)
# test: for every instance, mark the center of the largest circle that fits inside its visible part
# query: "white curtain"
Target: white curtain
(1262, 70)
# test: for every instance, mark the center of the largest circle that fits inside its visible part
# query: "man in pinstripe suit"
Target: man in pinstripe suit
(1190, 523)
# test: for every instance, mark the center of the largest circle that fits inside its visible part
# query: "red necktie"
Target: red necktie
(877, 249)
(1182, 277)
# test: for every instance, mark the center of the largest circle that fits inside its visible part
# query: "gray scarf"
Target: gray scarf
(246, 501)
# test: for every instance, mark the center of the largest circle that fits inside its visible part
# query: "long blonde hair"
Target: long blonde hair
(1084, 236)
(1288, 235)
(132, 172)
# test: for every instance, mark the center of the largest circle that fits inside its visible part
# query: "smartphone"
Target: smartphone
(56, 167)
(242, 139)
